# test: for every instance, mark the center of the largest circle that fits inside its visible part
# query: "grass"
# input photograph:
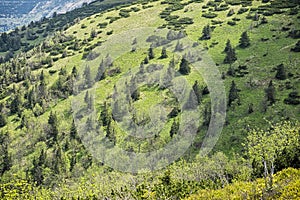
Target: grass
(118, 45)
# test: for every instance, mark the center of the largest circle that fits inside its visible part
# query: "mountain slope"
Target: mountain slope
(119, 81)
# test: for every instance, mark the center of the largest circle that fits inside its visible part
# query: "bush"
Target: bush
(209, 15)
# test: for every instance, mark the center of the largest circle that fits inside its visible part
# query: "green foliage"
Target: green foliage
(244, 40)
(233, 94)
(184, 67)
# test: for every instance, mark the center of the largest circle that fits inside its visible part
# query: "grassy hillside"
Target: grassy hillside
(145, 80)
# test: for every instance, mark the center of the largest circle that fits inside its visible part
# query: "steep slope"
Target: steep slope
(120, 81)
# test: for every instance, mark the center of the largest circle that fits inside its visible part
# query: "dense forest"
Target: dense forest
(153, 99)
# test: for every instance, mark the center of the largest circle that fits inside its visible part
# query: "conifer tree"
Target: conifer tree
(5, 158)
(174, 128)
(101, 72)
(281, 74)
(73, 130)
(184, 67)
(151, 53)
(206, 32)
(163, 53)
(244, 40)
(53, 129)
(233, 94)
(230, 54)
(270, 93)
(3, 120)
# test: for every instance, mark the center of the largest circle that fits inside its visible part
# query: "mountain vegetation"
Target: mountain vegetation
(120, 75)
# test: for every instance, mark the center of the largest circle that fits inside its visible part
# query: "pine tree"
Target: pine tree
(184, 67)
(5, 158)
(174, 128)
(3, 120)
(233, 94)
(74, 72)
(151, 53)
(101, 72)
(73, 130)
(163, 53)
(281, 74)
(146, 60)
(111, 133)
(244, 40)
(270, 93)
(104, 115)
(206, 32)
(230, 54)
(53, 129)
(16, 104)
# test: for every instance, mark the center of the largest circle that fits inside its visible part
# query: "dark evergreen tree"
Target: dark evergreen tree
(73, 130)
(163, 53)
(206, 32)
(16, 104)
(151, 53)
(184, 67)
(281, 74)
(174, 128)
(197, 91)
(3, 120)
(244, 40)
(233, 94)
(101, 72)
(5, 158)
(104, 115)
(146, 60)
(111, 133)
(230, 54)
(37, 173)
(52, 133)
(270, 93)
(230, 13)
(250, 108)
(74, 72)
(228, 46)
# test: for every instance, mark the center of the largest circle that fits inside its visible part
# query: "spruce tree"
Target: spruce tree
(270, 93)
(3, 120)
(73, 130)
(281, 74)
(206, 32)
(151, 53)
(230, 54)
(244, 40)
(5, 158)
(104, 115)
(184, 67)
(163, 53)
(53, 129)
(101, 72)
(174, 128)
(111, 133)
(233, 94)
